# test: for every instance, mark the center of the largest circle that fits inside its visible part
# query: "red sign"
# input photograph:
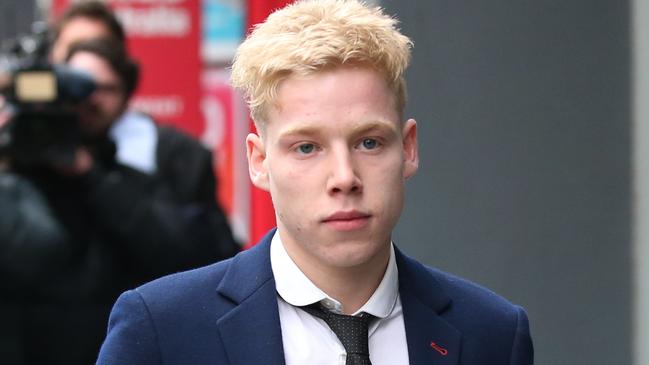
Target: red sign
(164, 37)
(226, 128)
(262, 216)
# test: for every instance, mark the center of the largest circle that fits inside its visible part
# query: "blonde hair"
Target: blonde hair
(311, 35)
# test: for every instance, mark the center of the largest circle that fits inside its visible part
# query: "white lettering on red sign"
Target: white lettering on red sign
(164, 106)
(159, 21)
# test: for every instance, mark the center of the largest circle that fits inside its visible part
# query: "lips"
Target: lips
(347, 221)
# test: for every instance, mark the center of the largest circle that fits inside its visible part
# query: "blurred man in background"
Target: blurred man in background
(132, 201)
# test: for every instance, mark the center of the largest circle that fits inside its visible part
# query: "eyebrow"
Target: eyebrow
(360, 128)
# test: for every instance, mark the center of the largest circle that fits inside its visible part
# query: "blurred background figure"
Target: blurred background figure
(94, 198)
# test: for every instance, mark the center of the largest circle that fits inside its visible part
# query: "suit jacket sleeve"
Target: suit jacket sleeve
(132, 337)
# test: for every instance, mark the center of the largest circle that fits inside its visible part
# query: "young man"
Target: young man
(324, 81)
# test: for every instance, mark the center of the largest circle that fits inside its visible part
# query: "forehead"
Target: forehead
(338, 96)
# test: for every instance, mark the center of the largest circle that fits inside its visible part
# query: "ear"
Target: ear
(257, 161)
(410, 148)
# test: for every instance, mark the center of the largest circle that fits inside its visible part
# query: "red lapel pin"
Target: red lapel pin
(439, 349)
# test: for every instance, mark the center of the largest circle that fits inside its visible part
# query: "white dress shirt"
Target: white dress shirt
(136, 138)
(309, 340)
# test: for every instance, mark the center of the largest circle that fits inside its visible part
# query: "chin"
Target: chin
(351, 254)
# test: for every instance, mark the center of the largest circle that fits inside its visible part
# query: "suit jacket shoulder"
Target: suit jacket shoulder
(456, 321)
(168, 314)
(207, 315)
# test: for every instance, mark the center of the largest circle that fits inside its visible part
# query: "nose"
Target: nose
(344, 178)
(93, 98)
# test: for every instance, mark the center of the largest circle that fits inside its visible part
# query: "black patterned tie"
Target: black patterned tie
(351, 331)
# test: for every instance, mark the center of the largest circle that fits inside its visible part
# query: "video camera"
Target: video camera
(42, 97)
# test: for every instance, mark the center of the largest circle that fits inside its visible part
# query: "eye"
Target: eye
(369, 143)
(306, 148)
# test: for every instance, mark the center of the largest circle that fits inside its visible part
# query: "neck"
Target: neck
(351, 285)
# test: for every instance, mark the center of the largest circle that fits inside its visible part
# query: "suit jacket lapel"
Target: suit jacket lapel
(251, 331)
(431, 339)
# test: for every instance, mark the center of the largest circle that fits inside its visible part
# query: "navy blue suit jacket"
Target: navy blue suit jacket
(227, 313)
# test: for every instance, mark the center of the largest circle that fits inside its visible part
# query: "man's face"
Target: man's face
(75, 30)
(107, 102)
(335, 158)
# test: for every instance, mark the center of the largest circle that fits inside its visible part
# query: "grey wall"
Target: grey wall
(524, 121)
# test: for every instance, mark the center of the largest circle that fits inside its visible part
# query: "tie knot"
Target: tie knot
(352, 331)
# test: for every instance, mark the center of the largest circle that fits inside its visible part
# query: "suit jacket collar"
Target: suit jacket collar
(431, 339)
(251, 331)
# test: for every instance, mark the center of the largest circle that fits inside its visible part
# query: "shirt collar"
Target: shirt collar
(296, 289)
